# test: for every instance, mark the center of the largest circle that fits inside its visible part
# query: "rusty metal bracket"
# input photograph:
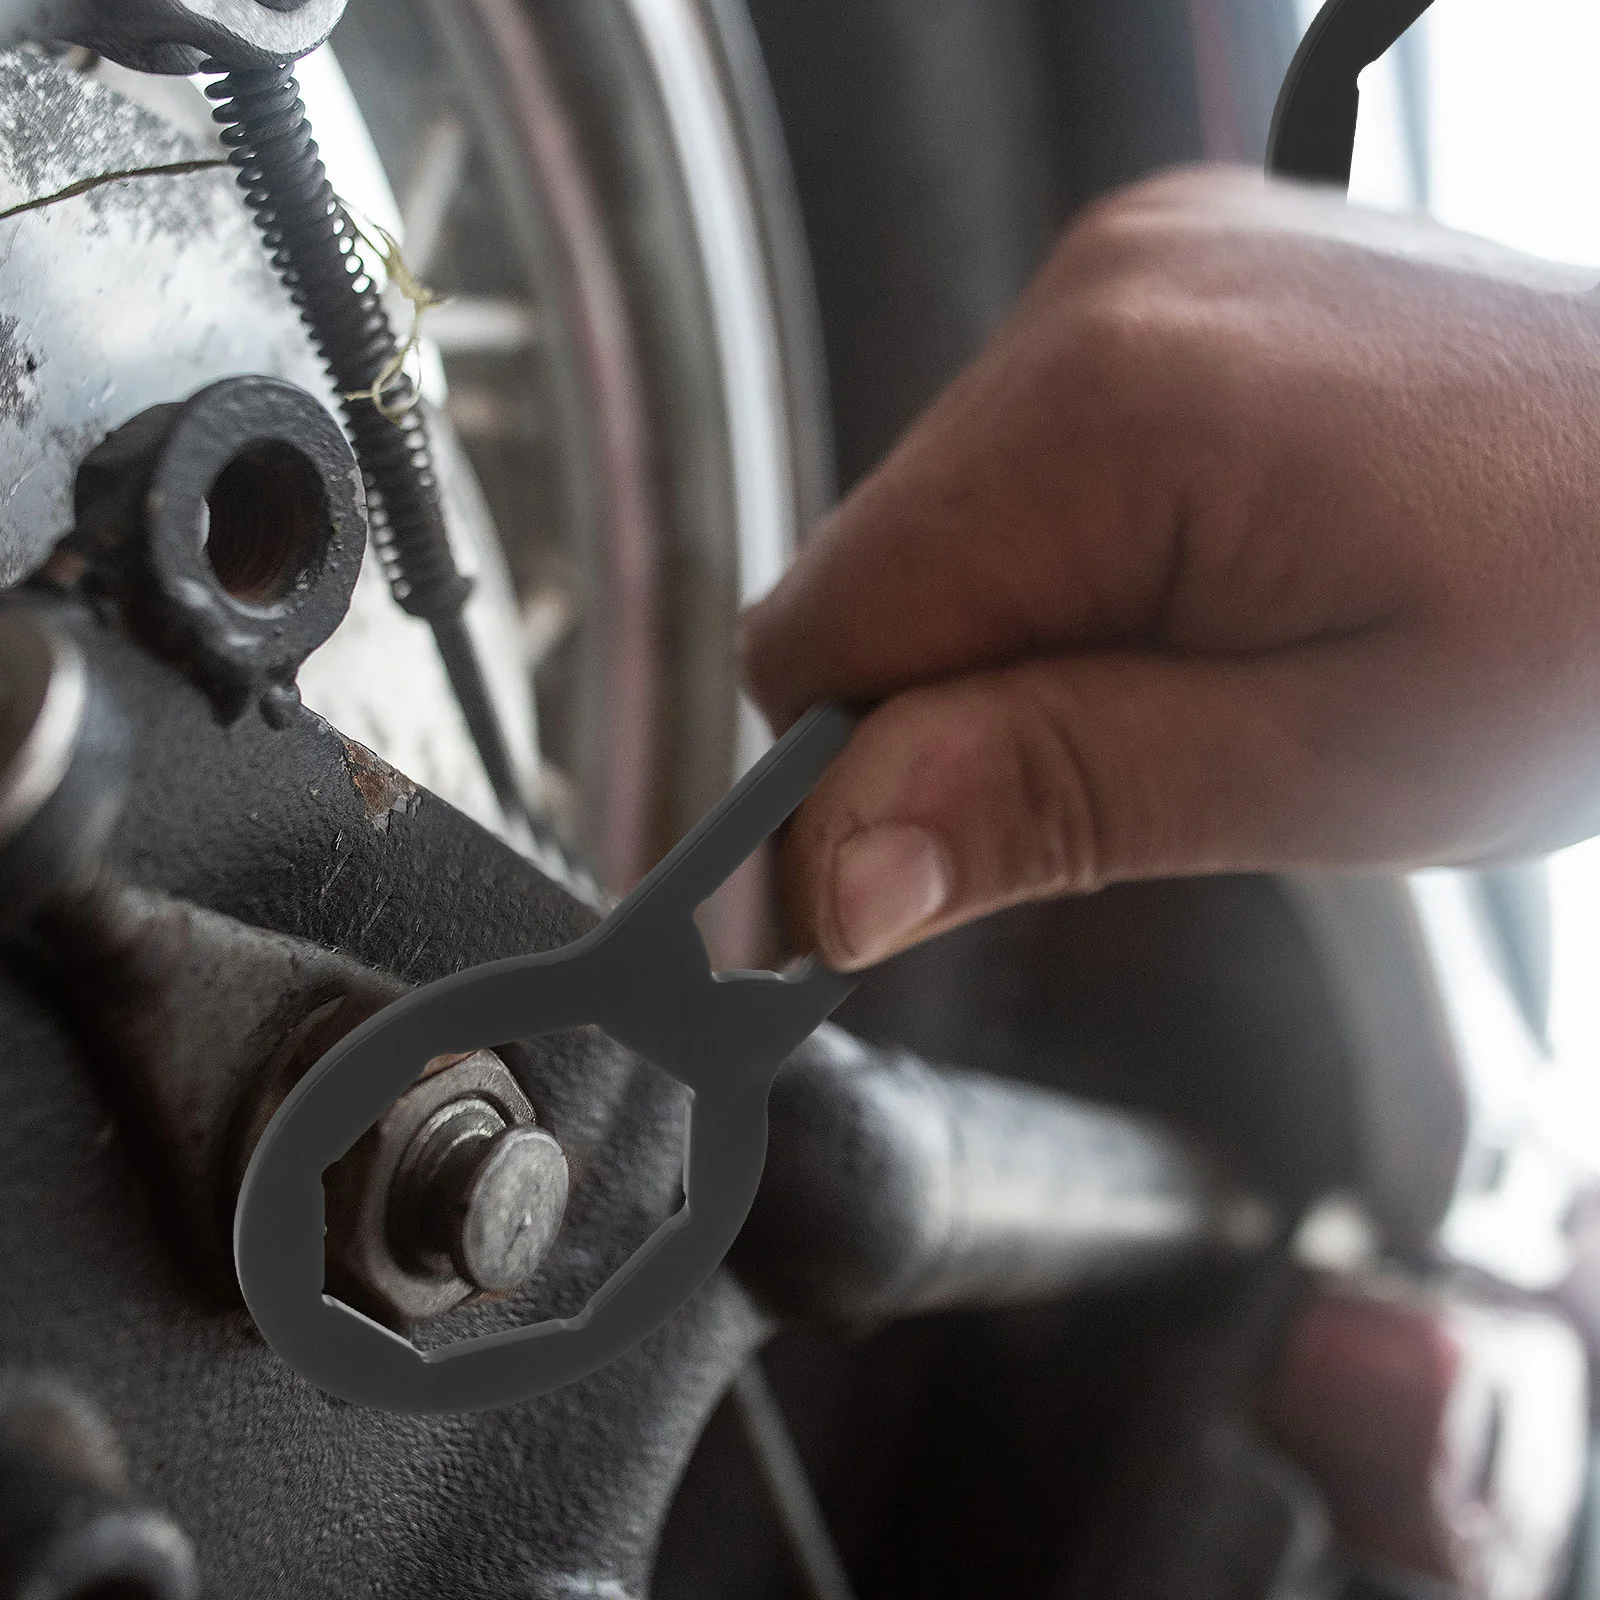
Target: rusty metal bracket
(644, 977)
(231, 530)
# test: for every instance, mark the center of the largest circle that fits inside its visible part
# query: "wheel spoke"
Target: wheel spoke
(793, 1498)
(482, 325)
(435, 184)
(548, 618)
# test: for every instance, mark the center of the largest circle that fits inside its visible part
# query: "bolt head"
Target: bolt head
(405, 1275)
(515, 1204)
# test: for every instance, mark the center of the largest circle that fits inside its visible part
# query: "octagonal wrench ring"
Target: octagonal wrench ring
(644, 977)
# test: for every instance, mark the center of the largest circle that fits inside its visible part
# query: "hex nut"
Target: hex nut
(399, 1280)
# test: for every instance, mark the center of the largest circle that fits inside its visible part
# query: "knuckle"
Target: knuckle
(1000, 767)
(1125, 229)
(1121, 331)
(1163, 210)
(1127, 314)
(1062, 845)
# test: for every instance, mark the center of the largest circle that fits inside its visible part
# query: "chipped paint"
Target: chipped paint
(385, 792)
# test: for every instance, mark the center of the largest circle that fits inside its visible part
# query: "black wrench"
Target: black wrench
(644, 977)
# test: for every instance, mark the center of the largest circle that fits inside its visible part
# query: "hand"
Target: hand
(1265, 535)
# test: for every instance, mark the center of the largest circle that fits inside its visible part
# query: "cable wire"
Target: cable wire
(313, 245)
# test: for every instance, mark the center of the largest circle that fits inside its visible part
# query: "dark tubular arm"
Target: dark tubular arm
(1314, 125)
(894, 1187)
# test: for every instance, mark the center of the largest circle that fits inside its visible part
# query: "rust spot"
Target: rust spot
(385, 792)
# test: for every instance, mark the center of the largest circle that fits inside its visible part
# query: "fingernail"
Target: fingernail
(887, 882)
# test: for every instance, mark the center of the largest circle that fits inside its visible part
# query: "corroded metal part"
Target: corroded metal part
(201, 1024)
(143, 292)
(368, 1265)
(478, 1196)
(261, 471)
(286, 832)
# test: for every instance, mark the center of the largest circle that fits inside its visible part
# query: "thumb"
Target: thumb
(1061, 776)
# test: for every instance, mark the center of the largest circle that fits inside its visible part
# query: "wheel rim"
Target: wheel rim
(676, 492)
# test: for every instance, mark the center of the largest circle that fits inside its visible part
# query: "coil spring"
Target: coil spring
(313, 245)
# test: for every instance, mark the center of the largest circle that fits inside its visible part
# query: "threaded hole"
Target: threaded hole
(267, 524)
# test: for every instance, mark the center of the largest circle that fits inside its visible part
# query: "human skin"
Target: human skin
(1264, 535)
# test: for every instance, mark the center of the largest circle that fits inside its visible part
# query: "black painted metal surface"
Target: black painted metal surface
(304, 835)
(894, 1187)
(282, 1490)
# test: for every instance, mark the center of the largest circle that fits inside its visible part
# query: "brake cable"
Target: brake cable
(1313, 134)
(314, 247)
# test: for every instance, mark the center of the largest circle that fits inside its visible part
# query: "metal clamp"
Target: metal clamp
(231, 530)
(645, 978)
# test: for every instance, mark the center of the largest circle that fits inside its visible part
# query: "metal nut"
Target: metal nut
(452, 1193)
(263, 471)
